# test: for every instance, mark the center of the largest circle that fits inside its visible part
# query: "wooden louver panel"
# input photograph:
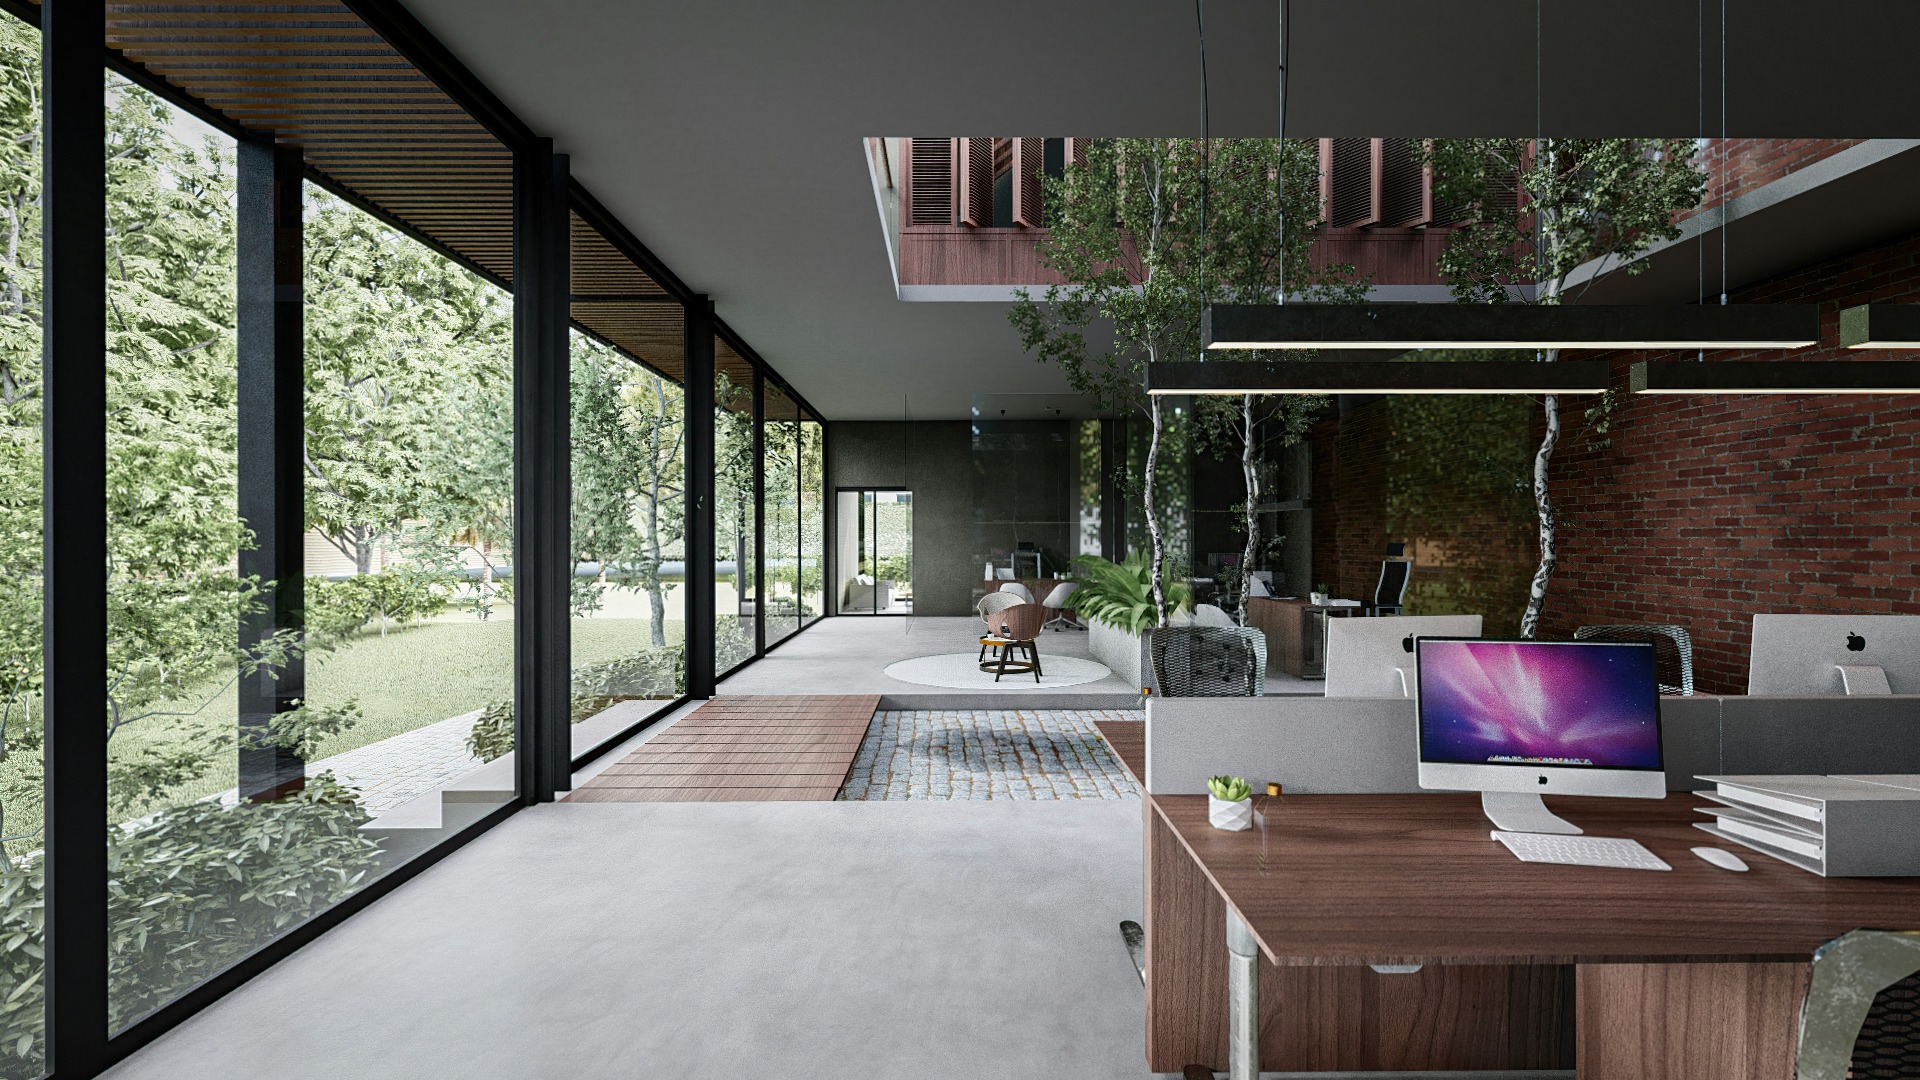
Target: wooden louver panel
(1351, 181)
(622, 305)
(930, 182)
(1029, 158)
(312, 74)
(976, 182)
(1076, 151)
(1405, 197)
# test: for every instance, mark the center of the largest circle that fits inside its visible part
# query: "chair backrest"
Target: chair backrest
(1258, 587)
(1208, 661)
(1672, 650)
(1018, 590)
(995, 602)
(1394, 574)
(1058, 597)
(1212, 615)
(1024, 622)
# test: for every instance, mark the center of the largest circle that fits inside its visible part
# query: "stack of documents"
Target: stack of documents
(1835, 826)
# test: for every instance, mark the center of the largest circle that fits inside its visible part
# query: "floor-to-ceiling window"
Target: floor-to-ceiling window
(813, 519)
(736, 609)
(628, 529)
(780, 493)
(22, 776)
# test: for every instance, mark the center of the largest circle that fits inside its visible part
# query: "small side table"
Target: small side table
(1004, 660)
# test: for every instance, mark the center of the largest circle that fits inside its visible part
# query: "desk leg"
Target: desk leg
(1243, 1000)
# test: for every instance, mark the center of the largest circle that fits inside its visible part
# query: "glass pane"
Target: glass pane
(893, 547)
(813, 522)
(629, 556)
(780, 459)
(22, 780)
(735, 607)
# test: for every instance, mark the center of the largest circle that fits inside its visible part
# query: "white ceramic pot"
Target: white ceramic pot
(1319, 599)
(1231, 816)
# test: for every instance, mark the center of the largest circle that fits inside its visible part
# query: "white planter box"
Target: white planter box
(1121, 650)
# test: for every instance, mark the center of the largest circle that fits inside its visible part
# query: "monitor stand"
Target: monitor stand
(1864, 679)
(1520, 811)
(1406, 687)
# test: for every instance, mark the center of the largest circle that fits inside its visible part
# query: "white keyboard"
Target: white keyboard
(1580, 850)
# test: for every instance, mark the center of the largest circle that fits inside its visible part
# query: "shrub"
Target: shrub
(191, 891)
(653, 673)
(1121, 594)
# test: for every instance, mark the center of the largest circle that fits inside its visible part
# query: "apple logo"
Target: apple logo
(1406, 643)
(1856, 643)
(1543, 779)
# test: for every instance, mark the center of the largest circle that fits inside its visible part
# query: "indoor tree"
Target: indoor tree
(1536, 211)
(1147, 233)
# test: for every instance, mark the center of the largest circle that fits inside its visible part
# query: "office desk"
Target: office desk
(1696, 974)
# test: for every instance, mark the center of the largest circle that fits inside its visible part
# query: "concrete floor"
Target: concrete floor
(799, 940)
(848, 654)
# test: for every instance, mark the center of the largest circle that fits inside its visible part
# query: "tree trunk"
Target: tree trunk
(1154, 572)
(1252, 477)
(1543, 509)
(657, 596)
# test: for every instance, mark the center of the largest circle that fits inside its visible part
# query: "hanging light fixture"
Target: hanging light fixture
(1880, 326)
(1777, 377)
(1509, 326)
(1236, 377)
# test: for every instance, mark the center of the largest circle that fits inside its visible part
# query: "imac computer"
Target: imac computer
(1834, 654)
(1517, 719)
(1375, 657)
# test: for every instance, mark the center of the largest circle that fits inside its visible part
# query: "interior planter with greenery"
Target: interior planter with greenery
(1116, 602)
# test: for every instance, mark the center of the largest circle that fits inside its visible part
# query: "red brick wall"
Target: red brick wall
(1737, 166)
(1706, 510)
(1437, 474)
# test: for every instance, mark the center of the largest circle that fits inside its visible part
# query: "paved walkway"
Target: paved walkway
(988, 754)
(393, 772)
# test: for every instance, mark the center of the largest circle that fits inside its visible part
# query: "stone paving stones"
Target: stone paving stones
(988, 754)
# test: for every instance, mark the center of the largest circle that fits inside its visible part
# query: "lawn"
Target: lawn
(413, 676)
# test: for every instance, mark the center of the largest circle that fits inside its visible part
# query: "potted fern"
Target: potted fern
(1115, 599)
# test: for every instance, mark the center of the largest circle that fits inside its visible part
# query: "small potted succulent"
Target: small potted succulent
(1320, 596)
(1229, 803)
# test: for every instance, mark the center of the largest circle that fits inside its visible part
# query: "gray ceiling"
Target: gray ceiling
(726, 133)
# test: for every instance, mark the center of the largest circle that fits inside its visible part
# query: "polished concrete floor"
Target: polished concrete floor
(848, 654)
(686, 941)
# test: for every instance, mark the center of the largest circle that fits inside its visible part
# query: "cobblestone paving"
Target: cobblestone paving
(988, 754)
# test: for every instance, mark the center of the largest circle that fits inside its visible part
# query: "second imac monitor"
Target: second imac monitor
(1375, 657)
(1517, 719)
(1835, 654)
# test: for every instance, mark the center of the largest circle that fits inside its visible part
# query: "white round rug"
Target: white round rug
(961, 671)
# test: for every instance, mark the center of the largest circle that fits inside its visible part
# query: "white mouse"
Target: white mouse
(1725, 860)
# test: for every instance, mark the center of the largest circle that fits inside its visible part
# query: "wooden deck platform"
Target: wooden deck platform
(744, 748)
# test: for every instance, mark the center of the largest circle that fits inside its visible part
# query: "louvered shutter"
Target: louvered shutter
(929, 195)
(1405, 197)
(1352, 184)
(976, 182)
(1077, 151)
(1029, 156)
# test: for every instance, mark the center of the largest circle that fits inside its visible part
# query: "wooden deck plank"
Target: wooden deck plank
(745, 748)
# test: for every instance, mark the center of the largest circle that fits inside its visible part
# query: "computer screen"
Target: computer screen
(1539, 703)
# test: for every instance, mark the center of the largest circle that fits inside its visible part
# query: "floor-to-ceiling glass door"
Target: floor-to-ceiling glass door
(874, 546)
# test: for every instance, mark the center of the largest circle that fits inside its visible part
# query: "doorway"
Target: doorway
(874, 549)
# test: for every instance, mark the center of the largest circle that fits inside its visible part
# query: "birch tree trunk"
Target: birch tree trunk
(1543, 509)
(1153, 514)
(1253, 500)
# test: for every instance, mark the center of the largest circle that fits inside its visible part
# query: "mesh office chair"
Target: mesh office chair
(1672, 651)
(1209, 661)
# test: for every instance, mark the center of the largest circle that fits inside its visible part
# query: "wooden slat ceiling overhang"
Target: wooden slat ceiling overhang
(312, 74)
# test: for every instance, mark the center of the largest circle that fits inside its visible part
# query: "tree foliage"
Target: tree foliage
(1545, 219)
(1146, 234)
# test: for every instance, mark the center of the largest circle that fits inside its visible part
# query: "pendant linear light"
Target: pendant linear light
(1807, 377)
(1509, 326)
(1237, 377)
(1880, 326)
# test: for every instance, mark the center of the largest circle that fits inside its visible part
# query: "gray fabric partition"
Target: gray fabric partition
(1317, 745)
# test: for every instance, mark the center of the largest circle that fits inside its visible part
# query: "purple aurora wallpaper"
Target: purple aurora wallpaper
(1535, 702)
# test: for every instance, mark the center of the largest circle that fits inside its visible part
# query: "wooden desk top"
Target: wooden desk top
(1414, 879)
(1128, 741)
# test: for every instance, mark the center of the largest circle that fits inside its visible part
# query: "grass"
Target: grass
(413, 676)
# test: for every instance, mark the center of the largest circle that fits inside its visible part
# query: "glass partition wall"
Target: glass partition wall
(736, 516)
(780, 502)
